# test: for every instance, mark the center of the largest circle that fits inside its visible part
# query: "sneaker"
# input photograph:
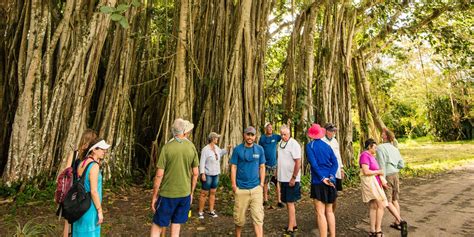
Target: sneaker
(213, 214)
(201, 215)
(281, 205)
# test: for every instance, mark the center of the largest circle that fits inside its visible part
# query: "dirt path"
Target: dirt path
(442, 205)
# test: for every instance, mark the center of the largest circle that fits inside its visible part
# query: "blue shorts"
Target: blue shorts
(290, 194)
(211, 182)
(174, 210)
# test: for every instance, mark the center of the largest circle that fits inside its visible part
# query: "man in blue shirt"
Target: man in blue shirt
(269, 143)
(247, 175)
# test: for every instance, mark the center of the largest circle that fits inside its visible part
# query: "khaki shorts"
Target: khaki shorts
(393, 189)
(244, 198)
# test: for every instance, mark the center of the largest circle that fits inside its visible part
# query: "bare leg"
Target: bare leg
(278, 192)
(393, 210)
(322, 223)
(66, 229)
(372, 214)
(380, 209)
(238, 231)
(397, 206)
(155, 230)
(258, 230)
(265, 192)
(331, 219)
(291, 215)
(175, 228)
(212, 199)
(202, 200)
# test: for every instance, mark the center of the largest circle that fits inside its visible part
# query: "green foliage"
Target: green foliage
(32, 229)
(442, 125)
(29, 192)
(401, 119)
(117, 13)
(352, 178)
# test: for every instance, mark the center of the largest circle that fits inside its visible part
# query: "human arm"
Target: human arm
(94, 179)
(296, 170)
(233, 175)
(262, 174)
(156, 187)
(223, 152)
(194, 181)
(367, 172)
(312, 160)
(380, 157)
(202, 164)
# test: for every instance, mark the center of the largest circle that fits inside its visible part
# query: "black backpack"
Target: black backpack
(77, 200)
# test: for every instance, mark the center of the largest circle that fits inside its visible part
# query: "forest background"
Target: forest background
(129, 68)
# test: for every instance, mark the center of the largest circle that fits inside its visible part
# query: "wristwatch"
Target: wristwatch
(294, 177)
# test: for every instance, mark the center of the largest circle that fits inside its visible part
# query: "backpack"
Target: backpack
(64, 182)
(77, 200)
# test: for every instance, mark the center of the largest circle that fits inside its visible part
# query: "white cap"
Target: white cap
(188, 126)
(102, 145)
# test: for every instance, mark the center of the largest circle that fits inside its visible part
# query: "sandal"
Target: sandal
(372, 234)
(396, 226)
(379, 233)
(404, 228)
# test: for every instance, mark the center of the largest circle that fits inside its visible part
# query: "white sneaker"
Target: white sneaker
(213, 214)
(201, 215)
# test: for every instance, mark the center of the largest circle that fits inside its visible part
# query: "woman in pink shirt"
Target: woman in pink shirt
(372, 191)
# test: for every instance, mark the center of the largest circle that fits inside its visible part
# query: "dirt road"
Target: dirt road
(438, 206)
(442, 205)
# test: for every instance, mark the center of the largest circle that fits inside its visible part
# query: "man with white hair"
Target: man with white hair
(173, 187)
(289, 175)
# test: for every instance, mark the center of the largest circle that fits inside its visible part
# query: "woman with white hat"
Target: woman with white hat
(89, 223)
(210, 168)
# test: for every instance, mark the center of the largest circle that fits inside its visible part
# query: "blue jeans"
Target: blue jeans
(211, 182)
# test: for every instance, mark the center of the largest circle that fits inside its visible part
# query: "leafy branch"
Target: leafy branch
(117, 13)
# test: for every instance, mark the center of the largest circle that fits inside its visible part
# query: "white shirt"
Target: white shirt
(288, 152)
(210, 163)
(335, 147)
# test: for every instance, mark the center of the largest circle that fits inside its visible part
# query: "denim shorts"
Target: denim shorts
(211, 182)
(174, 210)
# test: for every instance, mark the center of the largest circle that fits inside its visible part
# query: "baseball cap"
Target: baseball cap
(330, 127)
(213, 135)
(250, 129)
(266, 124)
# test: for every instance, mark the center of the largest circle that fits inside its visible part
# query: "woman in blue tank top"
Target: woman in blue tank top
(89, 224)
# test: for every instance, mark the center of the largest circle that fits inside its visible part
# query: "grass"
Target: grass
(424, 156)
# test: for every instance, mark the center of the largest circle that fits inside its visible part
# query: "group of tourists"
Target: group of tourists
(252, 166)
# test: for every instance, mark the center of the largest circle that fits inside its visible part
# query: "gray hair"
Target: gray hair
(285, 127)
(178, 126)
